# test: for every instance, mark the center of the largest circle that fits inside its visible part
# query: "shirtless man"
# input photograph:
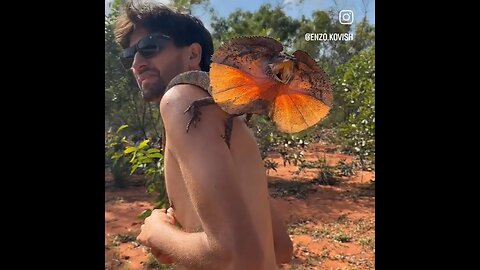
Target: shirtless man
(222, 217)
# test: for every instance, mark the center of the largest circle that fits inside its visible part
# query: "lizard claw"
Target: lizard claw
(193, 108)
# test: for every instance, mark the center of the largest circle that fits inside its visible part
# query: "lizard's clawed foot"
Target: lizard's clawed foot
(194, 109)
(228, 129)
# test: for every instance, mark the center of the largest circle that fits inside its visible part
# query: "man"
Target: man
(222, 217)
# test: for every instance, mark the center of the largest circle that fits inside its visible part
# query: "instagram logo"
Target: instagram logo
(345, 16)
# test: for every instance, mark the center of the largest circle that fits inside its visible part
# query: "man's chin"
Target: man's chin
(152, 90)
(151, 97)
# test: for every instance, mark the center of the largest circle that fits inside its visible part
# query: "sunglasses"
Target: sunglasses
(146, 47)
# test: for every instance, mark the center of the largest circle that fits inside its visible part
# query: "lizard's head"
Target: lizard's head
(282, 70)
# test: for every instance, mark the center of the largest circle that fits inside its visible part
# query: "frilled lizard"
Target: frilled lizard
(251, 75)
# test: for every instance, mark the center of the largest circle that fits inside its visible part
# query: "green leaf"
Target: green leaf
(150, 188)
(155, 155)
(134, 168)
(144, 160)
(122, 128)
(117, 156)
(130, 150)
(143, 144)
(160, 204)
(132, 160)
(144, 214)
(153, 150)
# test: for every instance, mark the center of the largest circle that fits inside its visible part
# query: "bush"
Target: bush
(355, 91)
(269, 140)
(143, 156)
(149, 158)
(326, 175)
(118, 164)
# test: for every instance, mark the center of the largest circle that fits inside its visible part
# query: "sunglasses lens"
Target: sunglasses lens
(147, 47)
(150, 46)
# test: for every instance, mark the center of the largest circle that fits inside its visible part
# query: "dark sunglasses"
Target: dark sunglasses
(146, 47)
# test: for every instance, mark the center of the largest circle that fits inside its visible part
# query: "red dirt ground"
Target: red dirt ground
(332, 227)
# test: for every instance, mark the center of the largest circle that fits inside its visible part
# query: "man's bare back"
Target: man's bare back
(248, 167)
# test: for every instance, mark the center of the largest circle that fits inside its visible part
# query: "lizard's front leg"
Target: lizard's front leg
(228, 128)
(194, 108)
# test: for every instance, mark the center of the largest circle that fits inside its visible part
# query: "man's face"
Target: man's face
(153, 73)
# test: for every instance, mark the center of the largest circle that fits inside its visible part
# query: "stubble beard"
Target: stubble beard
(152, 91)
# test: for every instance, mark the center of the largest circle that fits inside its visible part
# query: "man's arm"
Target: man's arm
(229, 237)
(282, 242)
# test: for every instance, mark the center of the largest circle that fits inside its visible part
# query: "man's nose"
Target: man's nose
(139, 62)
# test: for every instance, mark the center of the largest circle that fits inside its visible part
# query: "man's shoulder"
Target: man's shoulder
(174, 104)
(193, 77)
(182, 93)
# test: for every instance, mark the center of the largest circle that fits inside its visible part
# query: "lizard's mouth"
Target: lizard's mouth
(282, 71)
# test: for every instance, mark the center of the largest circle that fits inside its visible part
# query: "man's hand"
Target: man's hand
(149, 228)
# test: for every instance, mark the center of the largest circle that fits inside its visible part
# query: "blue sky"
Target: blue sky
(292, 7)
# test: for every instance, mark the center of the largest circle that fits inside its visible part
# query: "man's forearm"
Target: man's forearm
(188, 249)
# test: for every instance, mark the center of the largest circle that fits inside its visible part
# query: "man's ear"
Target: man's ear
(194, 55)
